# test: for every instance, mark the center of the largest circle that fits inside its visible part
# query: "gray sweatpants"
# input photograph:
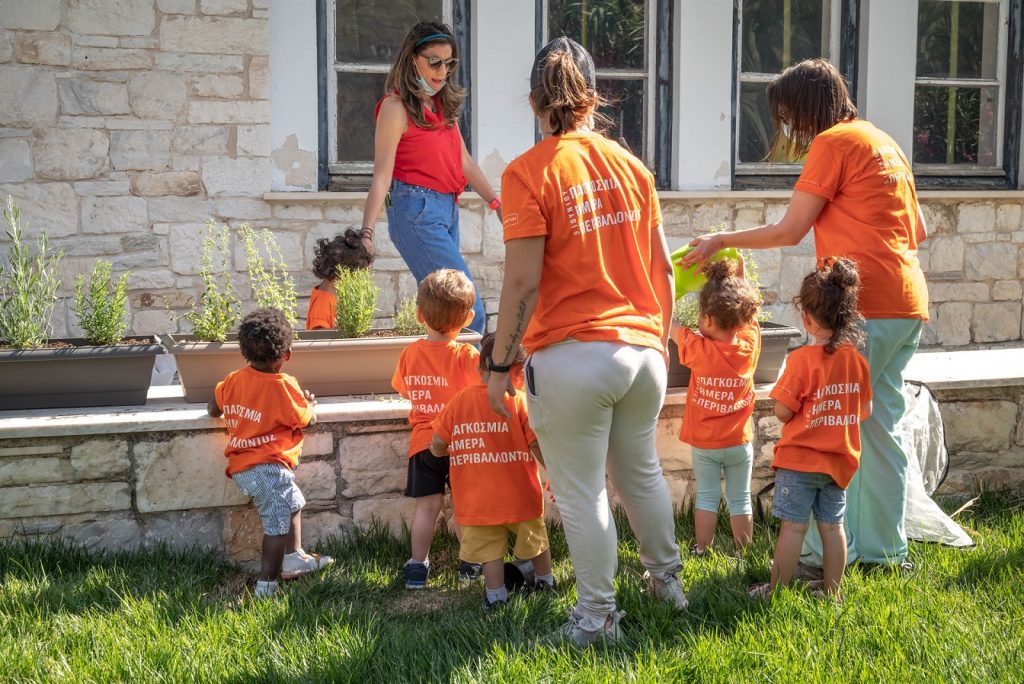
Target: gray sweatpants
(595, 405)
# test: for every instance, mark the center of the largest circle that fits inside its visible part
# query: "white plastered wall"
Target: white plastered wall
(503, 49)
(702, 137)
(888, 42)
(294, 122)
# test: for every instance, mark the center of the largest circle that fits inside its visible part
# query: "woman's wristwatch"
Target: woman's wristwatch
(495, 368)
(494, 204)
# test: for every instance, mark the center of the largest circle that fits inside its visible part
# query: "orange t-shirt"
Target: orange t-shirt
(321, 313)
(871, 215)
(720, 397)
(495, 479)
(596, 205)
(830, 395)
(264, 414)
(429, 374)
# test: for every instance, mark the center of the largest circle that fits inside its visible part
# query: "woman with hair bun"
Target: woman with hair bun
(588, 290)
(858, 192)
(420, 163)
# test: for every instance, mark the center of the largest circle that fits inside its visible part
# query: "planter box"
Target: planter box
(76, 376)
(775, 339)
(322, 363)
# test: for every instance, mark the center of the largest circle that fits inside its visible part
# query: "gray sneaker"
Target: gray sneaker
(572, 633)
(668, 590)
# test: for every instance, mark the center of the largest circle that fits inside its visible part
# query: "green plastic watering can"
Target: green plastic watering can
(691, 279)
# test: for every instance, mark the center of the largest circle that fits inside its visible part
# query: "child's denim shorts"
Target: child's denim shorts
(273, 491)
(798, 493)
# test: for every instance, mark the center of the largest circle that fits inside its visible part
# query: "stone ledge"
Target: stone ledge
(293, 197)
(167, 410)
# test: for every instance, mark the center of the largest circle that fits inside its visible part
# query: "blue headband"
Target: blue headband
(433, 36)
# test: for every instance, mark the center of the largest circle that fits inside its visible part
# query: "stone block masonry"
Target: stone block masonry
(142, 482)
(140, 119)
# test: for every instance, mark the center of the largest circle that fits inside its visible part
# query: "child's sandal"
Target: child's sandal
(760, 591)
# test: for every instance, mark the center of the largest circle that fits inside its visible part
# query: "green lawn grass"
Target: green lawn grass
(160, 616)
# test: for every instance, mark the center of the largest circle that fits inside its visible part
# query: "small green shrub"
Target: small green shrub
(272, 286)
(28, 286)
(406, 322)
(357, 301)
(102, 307)
(218, 309)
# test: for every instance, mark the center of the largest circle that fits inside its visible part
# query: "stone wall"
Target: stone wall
(127, 488)
(125, 124)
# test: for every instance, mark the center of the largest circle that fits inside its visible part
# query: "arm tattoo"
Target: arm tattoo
(512, 347)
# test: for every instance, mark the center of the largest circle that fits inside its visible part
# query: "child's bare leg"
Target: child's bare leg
(457, 529)
(742, 530)
(787, 552)
(494, 574)
(542, 564)
(704, 523)
(294, 533)
(273, 556)
(833, 543)
(424, 522)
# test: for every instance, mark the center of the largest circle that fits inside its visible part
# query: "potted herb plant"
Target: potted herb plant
(775, 337)
(103, 368)
(351, 359)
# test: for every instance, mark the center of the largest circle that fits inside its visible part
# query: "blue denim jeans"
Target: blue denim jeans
(424, 225)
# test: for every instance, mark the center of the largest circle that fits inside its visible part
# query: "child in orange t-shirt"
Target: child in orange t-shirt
(495, 481)
(822, 397)
(429, 373)
(264, 411)
(344, 251)
(720, 399)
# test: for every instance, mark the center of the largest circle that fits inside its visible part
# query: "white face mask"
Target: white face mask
(427, 87)
(787, 130)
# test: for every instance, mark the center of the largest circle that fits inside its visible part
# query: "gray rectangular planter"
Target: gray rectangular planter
(77, 376)
(775, 339)
(323, 363)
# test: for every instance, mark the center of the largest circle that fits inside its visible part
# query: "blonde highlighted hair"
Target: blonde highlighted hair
(403, 77)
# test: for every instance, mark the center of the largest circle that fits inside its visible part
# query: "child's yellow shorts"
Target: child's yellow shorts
(484, 543)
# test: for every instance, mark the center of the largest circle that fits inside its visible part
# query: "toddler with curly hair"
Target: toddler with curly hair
(264, 411)
(343, 251)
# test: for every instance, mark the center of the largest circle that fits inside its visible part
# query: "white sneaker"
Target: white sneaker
(265, 589)
(301, 563)
(668, 590)
(572, 633)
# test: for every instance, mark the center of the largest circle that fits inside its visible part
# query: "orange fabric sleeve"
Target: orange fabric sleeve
(789, 390)
(822, 171)
(522, 214)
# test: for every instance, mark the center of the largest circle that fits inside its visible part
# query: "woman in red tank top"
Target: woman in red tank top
(421, 163)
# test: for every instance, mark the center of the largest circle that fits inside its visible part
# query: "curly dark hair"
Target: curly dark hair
(829, 295)
(726, 297)
(487, 348)
(265, 336)
(347, 251)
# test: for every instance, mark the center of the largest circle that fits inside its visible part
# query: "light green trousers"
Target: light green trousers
(877, 494)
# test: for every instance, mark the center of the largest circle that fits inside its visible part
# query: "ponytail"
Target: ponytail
(829, 295)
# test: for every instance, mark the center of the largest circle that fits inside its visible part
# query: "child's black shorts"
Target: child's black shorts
(428, 474)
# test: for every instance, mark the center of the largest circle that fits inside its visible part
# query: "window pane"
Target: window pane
(626, 110)
(370, 31)
(955, 125)
(357, 96)
(957, 39)
(612, 30)
(768, 48)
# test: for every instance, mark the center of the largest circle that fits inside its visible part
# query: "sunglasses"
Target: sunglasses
(436, 63)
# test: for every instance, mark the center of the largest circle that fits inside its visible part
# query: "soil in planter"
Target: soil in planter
(62, 344)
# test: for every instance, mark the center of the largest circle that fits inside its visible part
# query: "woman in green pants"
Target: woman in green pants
(858, 193)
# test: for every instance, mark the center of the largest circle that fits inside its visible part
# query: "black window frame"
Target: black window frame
(1013, 112)
(661, 85)
(849, 54)
(325, 22)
